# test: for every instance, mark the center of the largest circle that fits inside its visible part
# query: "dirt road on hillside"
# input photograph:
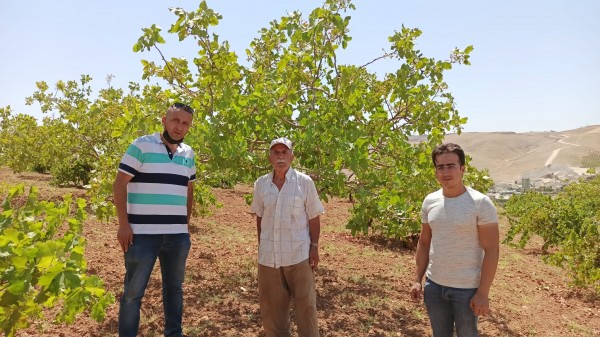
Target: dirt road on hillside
(554, 153)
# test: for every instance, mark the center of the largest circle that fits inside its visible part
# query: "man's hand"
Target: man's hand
(480, 304)
(313, 257)
(124, 234)
(415, 291)
(125, 237)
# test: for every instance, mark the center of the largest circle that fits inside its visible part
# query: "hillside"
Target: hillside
(362, 283)
(509, 156)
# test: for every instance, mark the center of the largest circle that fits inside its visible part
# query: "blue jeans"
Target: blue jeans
(448, 308)
(172, 251)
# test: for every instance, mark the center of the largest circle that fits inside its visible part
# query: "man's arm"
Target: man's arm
(422, 260)
(256, 208)
(489, 239)
(258, 222)
(124, 233)
(314, 227)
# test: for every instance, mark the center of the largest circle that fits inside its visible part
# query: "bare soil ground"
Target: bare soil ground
(362, 282)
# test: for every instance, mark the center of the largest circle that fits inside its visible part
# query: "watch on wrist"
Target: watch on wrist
(314, 244)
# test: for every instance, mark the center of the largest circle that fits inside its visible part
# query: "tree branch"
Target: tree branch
(386, 55)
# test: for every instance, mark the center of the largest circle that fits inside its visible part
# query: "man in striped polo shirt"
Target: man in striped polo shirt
(153, 195)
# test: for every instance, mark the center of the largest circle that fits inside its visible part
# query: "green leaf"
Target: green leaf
(17, 287)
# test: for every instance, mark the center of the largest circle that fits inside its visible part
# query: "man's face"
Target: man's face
(280, 157)
(177, 123)
(448, 170)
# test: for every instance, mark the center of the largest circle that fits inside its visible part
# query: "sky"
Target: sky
(535, 64)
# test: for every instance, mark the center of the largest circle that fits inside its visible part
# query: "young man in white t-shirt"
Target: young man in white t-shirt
(458, 249)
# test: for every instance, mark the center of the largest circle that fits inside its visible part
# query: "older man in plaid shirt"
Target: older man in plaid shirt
(288, 210)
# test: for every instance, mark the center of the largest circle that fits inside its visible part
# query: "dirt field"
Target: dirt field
(362, 282)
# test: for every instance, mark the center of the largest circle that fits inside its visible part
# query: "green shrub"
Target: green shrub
(43, 264)
(569, 225)
(72, 173)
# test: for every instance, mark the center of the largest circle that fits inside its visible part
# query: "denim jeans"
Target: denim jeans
(448, 308)
(172, 251)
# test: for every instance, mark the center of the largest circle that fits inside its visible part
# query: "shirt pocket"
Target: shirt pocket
(298, 211)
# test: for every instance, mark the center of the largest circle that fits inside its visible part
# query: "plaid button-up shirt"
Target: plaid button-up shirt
(285, 235)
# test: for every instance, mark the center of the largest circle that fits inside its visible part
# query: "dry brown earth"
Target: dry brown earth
(362, 282)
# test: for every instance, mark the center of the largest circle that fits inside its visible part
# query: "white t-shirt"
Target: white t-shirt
(455, 255)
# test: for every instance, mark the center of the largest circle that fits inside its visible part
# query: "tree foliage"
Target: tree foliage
(42, 264)
(352, 128)
(568, 224)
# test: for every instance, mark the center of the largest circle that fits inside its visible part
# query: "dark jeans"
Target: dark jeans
(448, 308)
(172, 251)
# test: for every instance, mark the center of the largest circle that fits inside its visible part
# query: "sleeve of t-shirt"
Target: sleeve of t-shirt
(487, 212)
(132, 160)
(424, 215)
(257, 202)
(314, 207)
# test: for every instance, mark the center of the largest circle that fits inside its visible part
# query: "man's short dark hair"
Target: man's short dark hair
(181, 106)
(448, 148)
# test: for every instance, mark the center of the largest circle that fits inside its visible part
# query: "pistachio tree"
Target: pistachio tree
(351, 128)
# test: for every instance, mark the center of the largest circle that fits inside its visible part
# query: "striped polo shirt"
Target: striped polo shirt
(157, 193)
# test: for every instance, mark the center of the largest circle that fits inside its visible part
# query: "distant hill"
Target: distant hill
(510, 156)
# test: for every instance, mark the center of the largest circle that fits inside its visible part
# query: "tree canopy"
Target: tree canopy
(352, 129)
